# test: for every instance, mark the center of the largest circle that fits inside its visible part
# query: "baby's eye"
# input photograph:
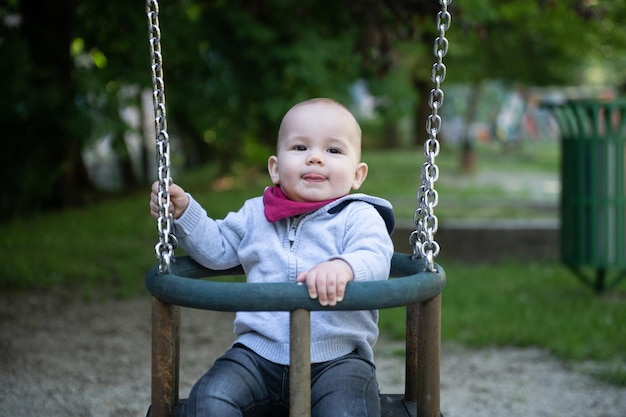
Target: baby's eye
(334, 150)
(299, 148)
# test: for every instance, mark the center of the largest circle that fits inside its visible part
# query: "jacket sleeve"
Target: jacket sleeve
(211, 243)
(368, 248)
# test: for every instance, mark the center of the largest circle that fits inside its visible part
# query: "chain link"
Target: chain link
(422, 239)
(164, 249)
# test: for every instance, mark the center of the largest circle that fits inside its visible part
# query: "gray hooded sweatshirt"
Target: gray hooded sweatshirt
(354, 228)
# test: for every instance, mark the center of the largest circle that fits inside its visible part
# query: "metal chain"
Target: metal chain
(166, 245)
(422, 238)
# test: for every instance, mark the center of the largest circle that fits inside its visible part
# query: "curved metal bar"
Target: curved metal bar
(412, 285)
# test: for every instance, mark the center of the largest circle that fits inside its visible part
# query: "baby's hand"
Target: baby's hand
(179, 200)
(327, 281)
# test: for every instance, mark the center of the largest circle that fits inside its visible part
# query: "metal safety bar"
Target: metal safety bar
(411, 286)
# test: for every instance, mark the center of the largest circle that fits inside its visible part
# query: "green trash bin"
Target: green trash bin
(593, 202)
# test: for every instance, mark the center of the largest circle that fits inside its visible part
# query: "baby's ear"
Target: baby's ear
(359, 175)
(272, 168)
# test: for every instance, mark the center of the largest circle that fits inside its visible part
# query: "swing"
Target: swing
(417, 280)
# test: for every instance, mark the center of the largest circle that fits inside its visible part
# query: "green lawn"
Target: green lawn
(504, 184)
(104, 251)
(530, 304)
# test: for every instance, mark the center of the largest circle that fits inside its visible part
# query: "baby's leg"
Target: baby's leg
(345, 386)
(235, 386)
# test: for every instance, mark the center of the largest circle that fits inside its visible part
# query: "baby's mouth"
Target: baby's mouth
(314, 177)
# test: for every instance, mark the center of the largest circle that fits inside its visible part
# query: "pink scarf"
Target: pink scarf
(278, 206)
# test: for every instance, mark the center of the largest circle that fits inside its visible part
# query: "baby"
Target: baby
(307, 228)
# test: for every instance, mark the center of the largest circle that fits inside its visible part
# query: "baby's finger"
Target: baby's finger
(154, 211)
(331, 290)
(309, 279)
(341, 290)
(323, 290)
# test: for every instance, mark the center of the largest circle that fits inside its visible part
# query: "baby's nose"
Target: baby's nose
(315, 158)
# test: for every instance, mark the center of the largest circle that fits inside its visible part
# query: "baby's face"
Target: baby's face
(318, 153)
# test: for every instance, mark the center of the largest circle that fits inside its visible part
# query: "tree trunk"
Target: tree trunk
(54, 124)
(421, 110)
(468, 153)
(391, 135)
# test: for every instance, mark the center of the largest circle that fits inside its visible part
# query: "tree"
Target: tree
(233, 68)
(243, 65)
(52, 105)
(539, 43)
(41, 162)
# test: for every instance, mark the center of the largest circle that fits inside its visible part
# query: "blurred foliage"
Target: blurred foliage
(233, 68)
(543, 42)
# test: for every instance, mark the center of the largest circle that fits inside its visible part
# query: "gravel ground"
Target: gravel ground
(66, 358)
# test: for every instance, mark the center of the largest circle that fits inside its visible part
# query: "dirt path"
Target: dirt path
(60, 358)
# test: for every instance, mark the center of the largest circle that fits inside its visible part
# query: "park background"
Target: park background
(77, 121)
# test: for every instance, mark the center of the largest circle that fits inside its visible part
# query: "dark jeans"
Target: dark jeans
(241, 383)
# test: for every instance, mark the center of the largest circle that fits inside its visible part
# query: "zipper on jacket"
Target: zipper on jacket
(293, 226)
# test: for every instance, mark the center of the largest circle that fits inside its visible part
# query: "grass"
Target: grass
(100, 251)
(533, 304)
(505, 183)
(104, 250)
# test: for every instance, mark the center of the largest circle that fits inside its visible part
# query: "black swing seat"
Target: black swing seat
(392, 405)
(412, 286)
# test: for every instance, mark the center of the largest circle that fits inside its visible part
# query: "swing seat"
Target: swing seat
(391, 405)
(412, 286)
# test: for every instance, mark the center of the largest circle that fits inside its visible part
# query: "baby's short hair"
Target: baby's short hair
(321, 100)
